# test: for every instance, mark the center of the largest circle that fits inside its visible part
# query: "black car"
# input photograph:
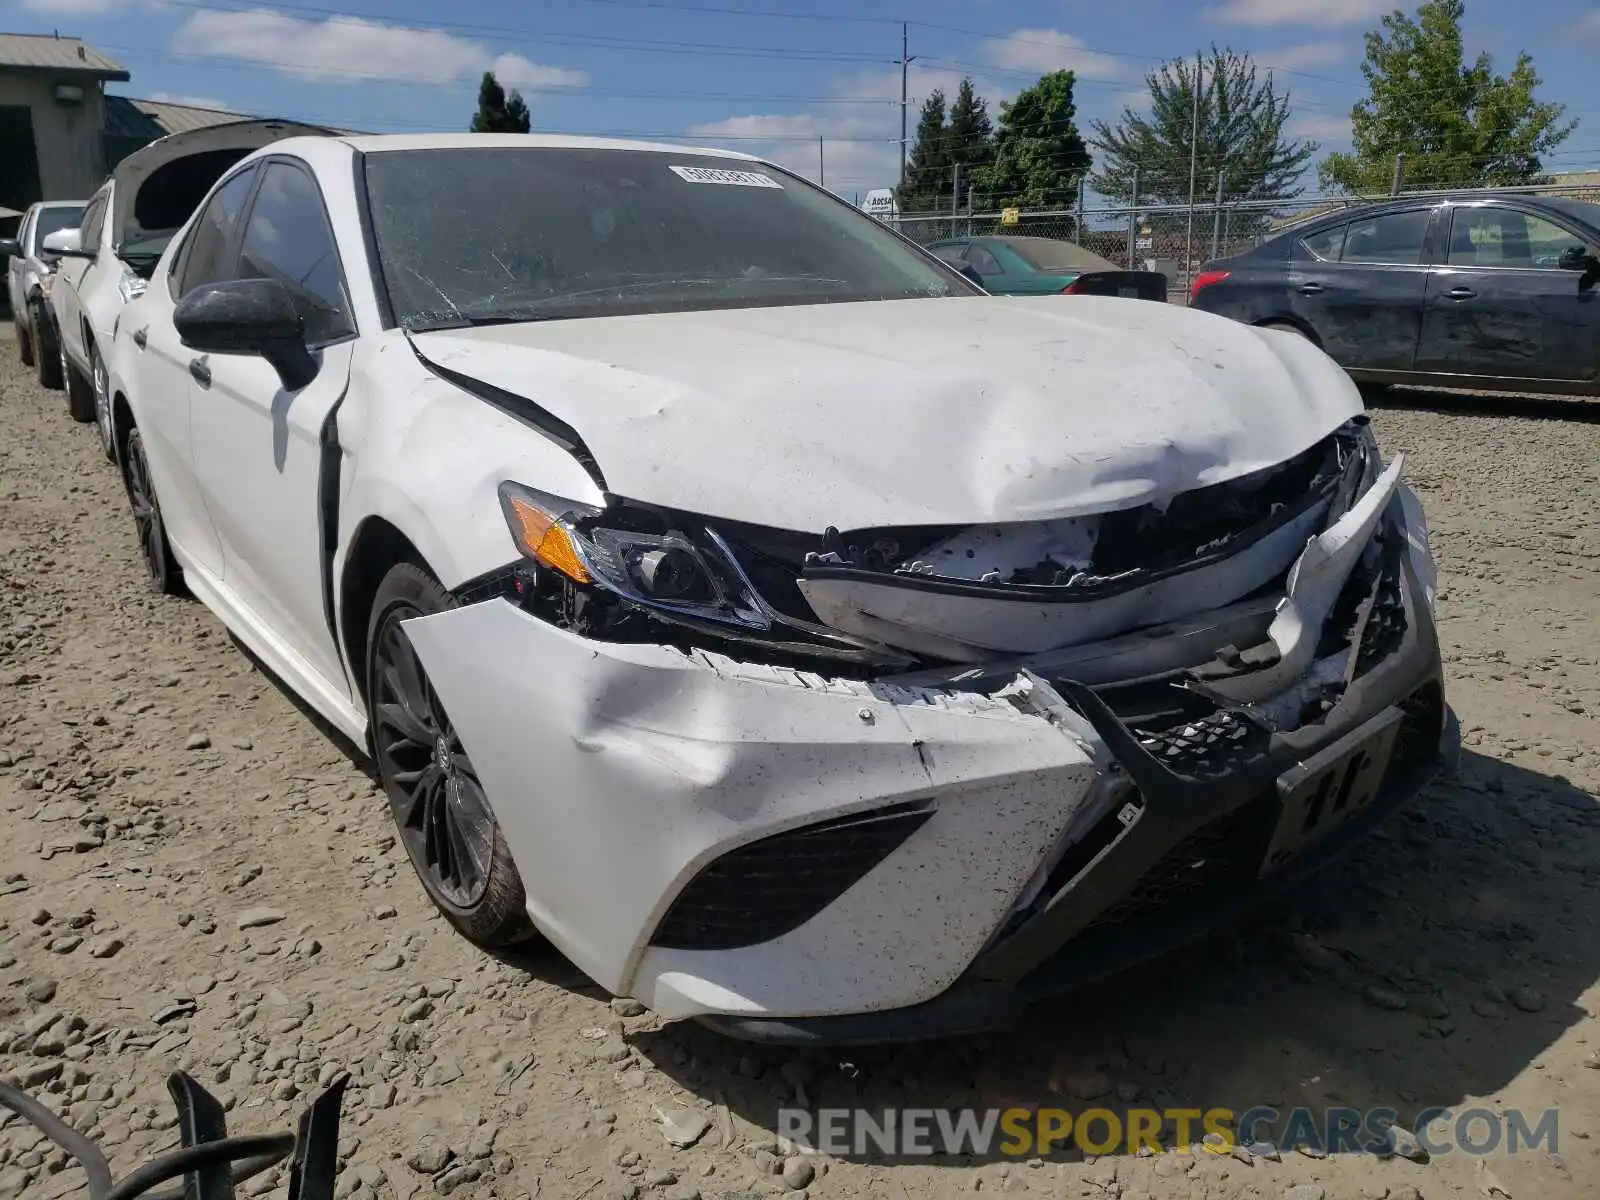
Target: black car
(1465, 292)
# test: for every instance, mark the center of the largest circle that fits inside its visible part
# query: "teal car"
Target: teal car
(1038, 266)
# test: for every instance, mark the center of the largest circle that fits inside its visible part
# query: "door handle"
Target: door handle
(1309, 289)
(140, 337)
(1461, 293)
(201, 372)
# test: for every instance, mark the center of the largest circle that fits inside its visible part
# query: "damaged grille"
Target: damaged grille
(1385, 629)
(1212, 747)
(1211, 862)
(1221, 859)
(772, 887)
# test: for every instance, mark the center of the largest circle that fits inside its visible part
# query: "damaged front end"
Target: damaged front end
(908, 780)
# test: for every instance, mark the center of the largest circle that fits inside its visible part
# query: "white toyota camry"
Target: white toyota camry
(730, 592)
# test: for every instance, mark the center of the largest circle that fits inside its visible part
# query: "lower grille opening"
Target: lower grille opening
(1217, 858)
(772, 887)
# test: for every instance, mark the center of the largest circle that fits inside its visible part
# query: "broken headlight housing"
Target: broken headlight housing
(686, 576)
(660, 569)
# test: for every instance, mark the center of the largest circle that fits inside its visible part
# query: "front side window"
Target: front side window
(1393, 238)
(206, 259)
(287, 238)
(94, 219)
(1503, 237)
(494, 234)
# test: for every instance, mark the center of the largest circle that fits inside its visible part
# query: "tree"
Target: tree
(1457, 125)
(1241, 133)
(926, 171)
(969, 136)
(1039, 156)
(498, 114)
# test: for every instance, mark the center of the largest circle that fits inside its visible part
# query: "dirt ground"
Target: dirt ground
(192, 874)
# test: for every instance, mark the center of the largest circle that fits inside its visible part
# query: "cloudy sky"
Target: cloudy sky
(771, 76)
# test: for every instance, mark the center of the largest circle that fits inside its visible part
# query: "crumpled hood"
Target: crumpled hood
(916, 412)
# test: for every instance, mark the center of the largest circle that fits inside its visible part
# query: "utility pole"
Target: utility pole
(955, 196)
(1194, 150)
(905, 61)
(1399, 173)
(822, 166)
(1133, 219)
(1216, 217)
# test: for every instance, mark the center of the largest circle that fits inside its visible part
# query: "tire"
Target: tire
(46, 351)
(24, 337)
(440, 811)
(100, 385)
(80, 396)
(162, 573)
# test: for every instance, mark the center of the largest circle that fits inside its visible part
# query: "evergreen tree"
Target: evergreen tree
(927, 167)
(1241, 133)
(496, 112)
(1039, 156)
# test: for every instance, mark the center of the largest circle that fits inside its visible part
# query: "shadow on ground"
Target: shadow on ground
(1434, 964)
(1466, 404)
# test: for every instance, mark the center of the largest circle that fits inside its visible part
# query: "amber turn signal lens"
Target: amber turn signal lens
(541, 538)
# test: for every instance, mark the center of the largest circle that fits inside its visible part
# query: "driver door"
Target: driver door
(258, 448)
(72, 273)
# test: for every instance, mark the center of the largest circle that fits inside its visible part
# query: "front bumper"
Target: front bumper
(799, 859)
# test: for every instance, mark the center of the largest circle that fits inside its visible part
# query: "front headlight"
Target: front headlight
(660, 568)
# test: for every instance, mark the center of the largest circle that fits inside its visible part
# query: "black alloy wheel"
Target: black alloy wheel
(438, 803)
(101, 383)
(162, 574)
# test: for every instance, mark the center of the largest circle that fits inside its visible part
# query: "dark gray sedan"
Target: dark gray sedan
(1466, 292)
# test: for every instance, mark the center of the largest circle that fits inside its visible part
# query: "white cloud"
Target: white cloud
(355, 50)
(1307, 54)
(1299, 12)
(1321, 127)
(1587, 27)
(1045, 50)
(192, 101)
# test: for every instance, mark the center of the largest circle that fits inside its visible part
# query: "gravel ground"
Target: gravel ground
(192, 874)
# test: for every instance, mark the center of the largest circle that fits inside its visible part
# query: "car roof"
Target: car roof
(383, 142)
(1568, 206)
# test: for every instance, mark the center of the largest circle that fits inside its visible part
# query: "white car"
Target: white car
(798, 638)
(28, 280)
(128, 222)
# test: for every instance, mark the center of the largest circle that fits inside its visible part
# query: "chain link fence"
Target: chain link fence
(1175, 239)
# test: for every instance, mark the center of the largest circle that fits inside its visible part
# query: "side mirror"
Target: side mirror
(248, 316)
(1577, 258)
(971, 272)
(10, 248)
(67, 243)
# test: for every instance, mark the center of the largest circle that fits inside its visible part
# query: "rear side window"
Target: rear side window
(1393, 238)
(1328, 244)
(206, 258)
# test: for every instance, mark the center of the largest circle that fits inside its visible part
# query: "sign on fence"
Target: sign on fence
(1010, 216)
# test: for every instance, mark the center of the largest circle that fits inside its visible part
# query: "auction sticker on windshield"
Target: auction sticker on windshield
(728, 178)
